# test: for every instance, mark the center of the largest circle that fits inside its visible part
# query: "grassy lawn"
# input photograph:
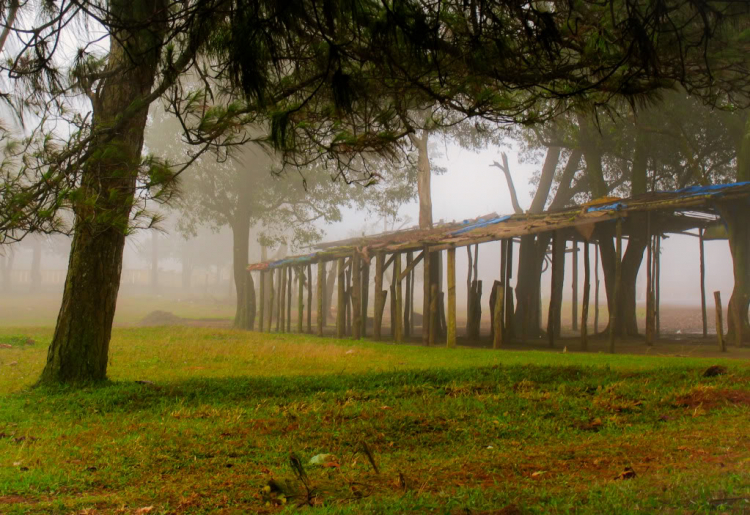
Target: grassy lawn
(219, 414)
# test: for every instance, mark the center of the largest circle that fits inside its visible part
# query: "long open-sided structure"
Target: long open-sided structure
(610, 219)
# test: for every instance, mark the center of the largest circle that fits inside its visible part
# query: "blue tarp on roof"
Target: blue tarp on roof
(690, 191)
(481, 223)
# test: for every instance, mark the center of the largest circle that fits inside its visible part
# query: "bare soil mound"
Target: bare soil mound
(161, 318)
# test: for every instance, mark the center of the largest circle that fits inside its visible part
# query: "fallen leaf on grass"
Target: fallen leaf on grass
(331, 464)
(145, 509)
(538, 473)
(628, 473)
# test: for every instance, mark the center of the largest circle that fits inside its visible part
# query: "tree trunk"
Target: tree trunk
(424, 175)
(240, 254)
(738, 328)
(80, 346)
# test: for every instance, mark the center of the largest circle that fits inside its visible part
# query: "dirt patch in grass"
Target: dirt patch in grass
(707, 398)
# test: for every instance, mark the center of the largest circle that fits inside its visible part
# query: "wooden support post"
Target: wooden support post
(586, 295)
(262, 300)
(657, 286)
(412, 275)
(271, 293)
(309, 298)
(596, 288)
(574, 286)
(703, 285)
(289, 281)
(719, 322)
(398, 333)
(497, 316)
(426, 298)
(321, 296)
(250, 300)
(433, 318)
(503, 278)
(618, 284)
(451, 322)
(508, 302)
(552, 311)
(469, 293)
(348, 297)
(340, 298)
(407, 311)
(649, 284)
(379, 296)
(365, 295)
(280, 302)
(300, 298)
(356, 296)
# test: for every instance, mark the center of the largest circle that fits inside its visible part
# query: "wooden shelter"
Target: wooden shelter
(615, 218)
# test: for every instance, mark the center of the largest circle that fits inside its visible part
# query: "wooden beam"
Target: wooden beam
(365, 295)
(433, 318)
(289, 281)
(574, 286)
(703, 285)
(379, 296)
(618, 284)
(411, 264)
(321, 296)
(451, 322)
(657, 285)
(341, 298)
(309, 298)
(280, 302)
(596, 288)
(356, 297)
(249, 301)
(650, 286)
(397, 324)
(262, 300)
(507, 290)
(586, 294)
(389, 261)
(409, 294)
(426, 299)
(497, 316)
(271, 302)
(300, 299)
(719, 322)
(552, 311)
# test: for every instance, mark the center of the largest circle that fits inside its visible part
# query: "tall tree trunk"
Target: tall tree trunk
(739, 245)
(240, 250)
(80, 346)
(424, 176)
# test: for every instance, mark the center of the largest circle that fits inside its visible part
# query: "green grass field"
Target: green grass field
(213, 426)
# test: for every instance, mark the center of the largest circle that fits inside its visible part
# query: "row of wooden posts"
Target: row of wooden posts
(353, 282)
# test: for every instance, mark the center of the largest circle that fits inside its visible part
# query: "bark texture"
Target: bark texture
(80, 346)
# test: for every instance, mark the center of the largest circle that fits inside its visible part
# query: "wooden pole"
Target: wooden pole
(289, 281)
(398, 334)
(407, 311)
(250, 300)
(321, 296)
(280, 302)
(451, 322)
(340, 299)
(433, 318)
(551, 312)
(574, 286)
(412, 275)
(271, 302)
(719, 322)
(497, 316)
(586, 294)
(309, 298)
(426, 299)
(657, 285)
(262, 300)
(300, 298)
(365, 295)
(348, 298)
(703, 285)
(618, 284)
(596, 288)
(356, 297)
(469, 293)
(508, 291)
(649, 284)
(379, 296)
